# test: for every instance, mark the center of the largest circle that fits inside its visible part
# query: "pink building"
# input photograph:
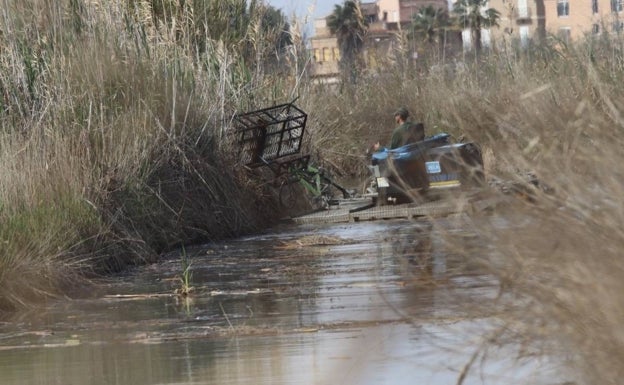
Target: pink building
(521, 20)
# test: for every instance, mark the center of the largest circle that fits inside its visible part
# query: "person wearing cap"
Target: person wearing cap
(406, 132)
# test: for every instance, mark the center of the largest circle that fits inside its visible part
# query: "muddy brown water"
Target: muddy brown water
(364, 303)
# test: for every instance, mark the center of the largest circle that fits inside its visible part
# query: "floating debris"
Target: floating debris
(239, 292)
(137, 296)
(312, 240)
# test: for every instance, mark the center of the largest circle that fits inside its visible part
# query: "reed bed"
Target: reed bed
(114, 134)
(114, 146)
(553, 112)
(560, 265)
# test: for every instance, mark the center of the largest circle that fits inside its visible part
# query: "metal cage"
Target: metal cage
(268, 134)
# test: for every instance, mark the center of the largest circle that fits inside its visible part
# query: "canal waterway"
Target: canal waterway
(362, 303)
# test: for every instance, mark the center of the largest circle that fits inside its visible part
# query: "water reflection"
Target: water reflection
(374, 307)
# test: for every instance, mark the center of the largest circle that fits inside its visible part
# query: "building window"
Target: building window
(563, 7)
(485, 38)
(565, 34)
(524, 35)
(325, 54)
(467, 39)
(371, 19)
(618, 26)
(594, 6)
(336, 53)
(616, 5)
(595, 29)
(317, 55)
(523, 9)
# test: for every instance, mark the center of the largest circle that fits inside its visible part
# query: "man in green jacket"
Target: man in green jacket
(406, 132)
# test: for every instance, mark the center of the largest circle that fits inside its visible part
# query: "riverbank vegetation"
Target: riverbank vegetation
(561, 271)
(113, 138)
(114, 145)
(549, 118)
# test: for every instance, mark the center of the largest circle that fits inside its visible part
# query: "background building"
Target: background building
(385, 18)
(572, 19)
(324, 51)
(568, 19)
(521, 21)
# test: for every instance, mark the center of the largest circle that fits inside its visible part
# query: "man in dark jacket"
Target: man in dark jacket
(406, 132)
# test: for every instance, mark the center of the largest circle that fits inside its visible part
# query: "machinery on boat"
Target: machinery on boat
(412, 175)
(423, 170)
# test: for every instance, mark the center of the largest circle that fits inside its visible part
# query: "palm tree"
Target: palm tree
(348, 25)
(244, 26)
(275, 25)
(429, 22)
(472, 14)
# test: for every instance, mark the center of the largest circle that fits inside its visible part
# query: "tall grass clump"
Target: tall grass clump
(114, 138)
(552, 111)
(560, 264)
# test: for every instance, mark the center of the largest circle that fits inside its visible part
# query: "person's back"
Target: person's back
(407, 133)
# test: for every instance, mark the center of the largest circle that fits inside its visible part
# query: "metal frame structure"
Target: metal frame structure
(272, 137)
(266, 137)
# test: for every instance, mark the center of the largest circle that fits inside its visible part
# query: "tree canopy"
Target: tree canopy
(347, 23)
(235, 23)
(473, 15)
(429, 22)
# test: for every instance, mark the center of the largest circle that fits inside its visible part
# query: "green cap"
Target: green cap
(402, 112)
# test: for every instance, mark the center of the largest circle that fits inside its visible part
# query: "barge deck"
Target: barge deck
(356, 210)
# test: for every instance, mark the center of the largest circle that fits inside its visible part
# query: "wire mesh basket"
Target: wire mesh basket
(269, 134)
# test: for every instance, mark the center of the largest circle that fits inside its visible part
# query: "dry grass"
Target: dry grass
(554, 111)
(112, 131)
(113, 149)
(561, 261)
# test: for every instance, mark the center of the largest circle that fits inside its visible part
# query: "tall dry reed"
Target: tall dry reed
(113, 142)
(113, 133)
(555, 112)
(560, 262)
